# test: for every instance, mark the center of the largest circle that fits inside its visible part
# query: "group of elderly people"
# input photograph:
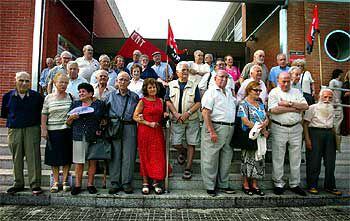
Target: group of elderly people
(205, 107)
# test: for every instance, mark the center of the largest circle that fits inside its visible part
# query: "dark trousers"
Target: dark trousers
(323, 146)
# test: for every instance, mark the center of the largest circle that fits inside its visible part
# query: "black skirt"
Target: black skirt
(58, 151)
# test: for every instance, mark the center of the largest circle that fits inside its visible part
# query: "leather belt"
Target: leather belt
(223, 123)
(284, 125)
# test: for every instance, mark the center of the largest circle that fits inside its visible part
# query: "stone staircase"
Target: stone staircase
(183, 193)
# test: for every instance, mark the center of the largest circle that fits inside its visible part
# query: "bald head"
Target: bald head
(284, 81)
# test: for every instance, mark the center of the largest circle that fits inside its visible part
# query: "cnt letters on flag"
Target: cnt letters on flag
(314, 27)
(172, 51)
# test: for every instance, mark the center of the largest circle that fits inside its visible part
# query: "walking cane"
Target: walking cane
(167, 147)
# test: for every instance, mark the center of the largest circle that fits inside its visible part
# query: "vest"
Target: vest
(187, 97)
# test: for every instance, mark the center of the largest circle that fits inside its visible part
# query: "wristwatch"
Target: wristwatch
(290, 103)
(189, 112)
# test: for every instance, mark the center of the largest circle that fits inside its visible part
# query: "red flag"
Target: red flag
(314, 27)
(136, 41)
(172, 50)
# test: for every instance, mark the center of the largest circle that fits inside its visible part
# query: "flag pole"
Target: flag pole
(320, 58)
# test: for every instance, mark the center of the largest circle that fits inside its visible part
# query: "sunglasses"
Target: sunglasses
(257, 90)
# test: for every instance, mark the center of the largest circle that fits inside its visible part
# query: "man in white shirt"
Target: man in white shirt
(105, 62)
(74, 79)
(320, 143)
(255, 75)
(198, 68)
(101, 88)
(162, 69)
(219, 110)
(286, 105)
(87, 64)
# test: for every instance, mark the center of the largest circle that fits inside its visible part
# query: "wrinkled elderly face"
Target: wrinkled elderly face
(157, 58)
(256, 74)
(65, 58)
(102, 77)
(221, 79)
(198, 58)
(84, 95)
(295, 75)
(144, 61)
(327, 97)
(282, 61)
(49, 63)
(220, 65)
(73, 71)
(229, 60)
(104, 63)
(208, 59)
(88, 52)
(284, 81)
(136, 55)
(183, 73)
(259, 57)
(61, 83)
(120, 63)
(123, 81)
(23, 83)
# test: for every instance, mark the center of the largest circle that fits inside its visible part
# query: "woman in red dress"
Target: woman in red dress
(150, 137)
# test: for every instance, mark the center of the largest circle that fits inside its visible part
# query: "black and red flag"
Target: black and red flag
(172, 51)
(314, 28)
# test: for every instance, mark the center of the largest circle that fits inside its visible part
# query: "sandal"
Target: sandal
(54, 188)
(187, 174)
(181, 159)
(157, 189)
(247, 191)
(66, 187)
(258, 191)
(145, 189)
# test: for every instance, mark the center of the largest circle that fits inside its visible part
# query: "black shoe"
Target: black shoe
(128, 189)
(247, 191)
(258, 192)
(212, 193)
(227, 190)
(298, 190)
(278, 190)
(92, 189)
(75, 190)
(113, 190)
(37, 190)
(13, 190)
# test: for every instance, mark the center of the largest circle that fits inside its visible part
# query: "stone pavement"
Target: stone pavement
(337, 213)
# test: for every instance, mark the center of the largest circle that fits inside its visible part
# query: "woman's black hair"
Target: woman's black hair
(336, 73)
(88, 87)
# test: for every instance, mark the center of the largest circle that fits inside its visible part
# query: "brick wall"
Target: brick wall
(332, 16)
(105, 24)
(16, 40)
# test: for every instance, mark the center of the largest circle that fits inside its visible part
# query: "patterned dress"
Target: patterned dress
(151, 143)
(249, 166)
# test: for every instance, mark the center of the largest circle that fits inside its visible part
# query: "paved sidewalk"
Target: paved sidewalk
(337, 213)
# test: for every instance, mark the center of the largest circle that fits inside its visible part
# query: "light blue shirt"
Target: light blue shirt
(43, 77)
(129, 65)
(53, 71)
(72, 87)
(112, 76)
(275, 71)
(160, 70)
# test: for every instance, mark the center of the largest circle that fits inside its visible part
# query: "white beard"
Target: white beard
(325, 110)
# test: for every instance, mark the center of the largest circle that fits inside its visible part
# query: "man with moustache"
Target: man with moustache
(258, 59)
(219, 111)
(320, 143)
(286, 106)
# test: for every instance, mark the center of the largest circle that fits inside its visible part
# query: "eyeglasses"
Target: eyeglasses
(257, 90)
(90, 49)
(22, 81)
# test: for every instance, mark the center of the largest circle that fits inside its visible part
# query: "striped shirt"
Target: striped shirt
(56, 111)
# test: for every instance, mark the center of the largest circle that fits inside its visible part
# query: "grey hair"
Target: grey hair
(299, 61)
(72, 63)
(197, 52)
(293, 68)
(66, 53)
(87, 46)
(123, 73)
(99, 72)
(180, 64)
(144, 56)
(21, 73)
(254, 67)
(280, 54)
(324, 90)
(210, 55)
(48, 59)
(258, 52)
(104, 56)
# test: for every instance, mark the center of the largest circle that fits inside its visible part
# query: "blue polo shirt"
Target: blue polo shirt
(149, 73)
(274, 72)
(22, 112)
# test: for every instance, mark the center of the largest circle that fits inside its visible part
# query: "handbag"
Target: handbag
(100, 149)
(240, 138)
(115, 128)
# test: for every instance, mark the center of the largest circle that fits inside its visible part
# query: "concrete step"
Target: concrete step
(176, 199)
(342, 166)
(176, 182)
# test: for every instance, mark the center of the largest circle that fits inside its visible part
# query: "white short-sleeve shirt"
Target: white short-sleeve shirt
(293, 95)
(307, 80)
(222, 106)
(86, 68)
(320, 117)
(241, 92)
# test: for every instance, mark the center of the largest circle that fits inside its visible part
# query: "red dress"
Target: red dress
(151, 143)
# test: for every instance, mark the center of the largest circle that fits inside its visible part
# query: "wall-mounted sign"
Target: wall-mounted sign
(293, 55)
